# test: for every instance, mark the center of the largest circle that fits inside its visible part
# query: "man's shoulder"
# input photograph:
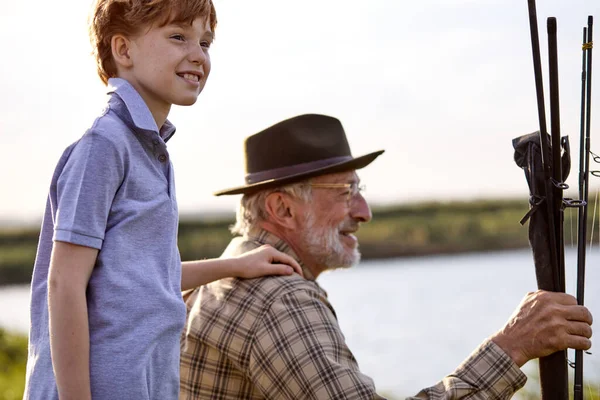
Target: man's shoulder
(223, 298)
(266, 289)
(226, 298)
(242, 304)
(275, 287)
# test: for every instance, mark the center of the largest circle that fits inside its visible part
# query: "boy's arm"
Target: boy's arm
(262, 261)
(70, 270)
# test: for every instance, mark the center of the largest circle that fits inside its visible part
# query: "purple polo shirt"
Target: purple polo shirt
(113, 190)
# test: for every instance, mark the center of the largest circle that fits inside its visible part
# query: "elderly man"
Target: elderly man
(278, 337)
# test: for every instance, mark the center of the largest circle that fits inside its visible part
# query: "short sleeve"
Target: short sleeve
(85, 190)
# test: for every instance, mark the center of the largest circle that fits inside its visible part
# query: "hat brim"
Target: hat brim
(355, 163)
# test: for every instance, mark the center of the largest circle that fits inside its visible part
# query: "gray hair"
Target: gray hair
(251, 209)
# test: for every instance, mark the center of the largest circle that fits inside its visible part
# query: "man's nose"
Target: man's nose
(359, 209)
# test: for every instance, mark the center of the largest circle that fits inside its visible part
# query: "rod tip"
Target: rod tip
(590, 19)
(551, 22)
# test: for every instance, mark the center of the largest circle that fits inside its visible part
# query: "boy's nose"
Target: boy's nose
(197, 55)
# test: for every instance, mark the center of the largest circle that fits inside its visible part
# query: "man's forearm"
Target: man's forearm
(69, 341)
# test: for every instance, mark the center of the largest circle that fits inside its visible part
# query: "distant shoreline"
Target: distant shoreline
(409, 230)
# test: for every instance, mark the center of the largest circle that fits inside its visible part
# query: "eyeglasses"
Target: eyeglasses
(353, 188)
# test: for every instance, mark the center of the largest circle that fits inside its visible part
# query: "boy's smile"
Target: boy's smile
(191, 77)
(167, 64)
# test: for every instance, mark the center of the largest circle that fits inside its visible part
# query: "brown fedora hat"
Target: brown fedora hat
(296, 149)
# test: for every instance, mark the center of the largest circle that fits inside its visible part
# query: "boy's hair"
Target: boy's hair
(127, 17)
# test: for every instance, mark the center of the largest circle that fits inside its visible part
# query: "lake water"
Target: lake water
(409, 322)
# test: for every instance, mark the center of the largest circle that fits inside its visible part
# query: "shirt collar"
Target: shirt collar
(262, 236)
(138, 112)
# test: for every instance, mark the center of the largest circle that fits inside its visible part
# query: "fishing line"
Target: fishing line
(594, 221)
(571, 225)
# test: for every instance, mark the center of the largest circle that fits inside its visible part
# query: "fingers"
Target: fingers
(282, 263)
(579, 313)
(554, 297)
(285, 259)
(562, 333)
(277, 269)
(553, 320)
(556, 303)
(577, 336)
(580, 329)
(579, 343)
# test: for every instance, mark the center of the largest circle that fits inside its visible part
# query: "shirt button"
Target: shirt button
(162, 158)
(155, 142)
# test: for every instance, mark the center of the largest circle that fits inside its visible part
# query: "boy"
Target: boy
(106, 305)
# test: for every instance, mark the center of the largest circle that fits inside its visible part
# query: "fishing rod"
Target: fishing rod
(557, 178)
(584, 171)
(546, 161)
(539, 86)
(553, 368)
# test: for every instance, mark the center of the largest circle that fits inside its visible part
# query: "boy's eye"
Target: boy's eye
(177, 37)
(205, 44)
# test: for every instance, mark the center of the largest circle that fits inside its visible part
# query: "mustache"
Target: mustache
(349, 225)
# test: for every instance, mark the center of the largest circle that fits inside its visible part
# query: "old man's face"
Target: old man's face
(331, 220)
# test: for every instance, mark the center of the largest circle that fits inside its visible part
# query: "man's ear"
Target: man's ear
(281, 209)
(120, 47)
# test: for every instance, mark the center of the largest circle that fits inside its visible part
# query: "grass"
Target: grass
(13, 361)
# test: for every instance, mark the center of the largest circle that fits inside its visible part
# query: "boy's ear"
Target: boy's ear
(120, 46)
(281, 210)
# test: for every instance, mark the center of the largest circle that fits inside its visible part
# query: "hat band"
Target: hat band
(283, 172)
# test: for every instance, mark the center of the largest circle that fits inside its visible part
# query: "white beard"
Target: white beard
(325, 246)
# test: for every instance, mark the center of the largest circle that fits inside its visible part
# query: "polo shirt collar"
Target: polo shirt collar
(139, 112)
(264, 237)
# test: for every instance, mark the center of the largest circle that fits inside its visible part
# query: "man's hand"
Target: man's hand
(544, 323)
(266, 260)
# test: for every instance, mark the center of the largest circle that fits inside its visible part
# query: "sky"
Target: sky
(442, 85)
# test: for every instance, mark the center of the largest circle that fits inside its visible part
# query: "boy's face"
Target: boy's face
(169, 64)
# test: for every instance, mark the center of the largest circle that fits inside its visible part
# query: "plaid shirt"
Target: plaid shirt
(278, 337)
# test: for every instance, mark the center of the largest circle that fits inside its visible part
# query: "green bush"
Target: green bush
(13, 361)
(395, 231)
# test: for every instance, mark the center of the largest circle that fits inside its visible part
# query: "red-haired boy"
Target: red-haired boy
(106, 305)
